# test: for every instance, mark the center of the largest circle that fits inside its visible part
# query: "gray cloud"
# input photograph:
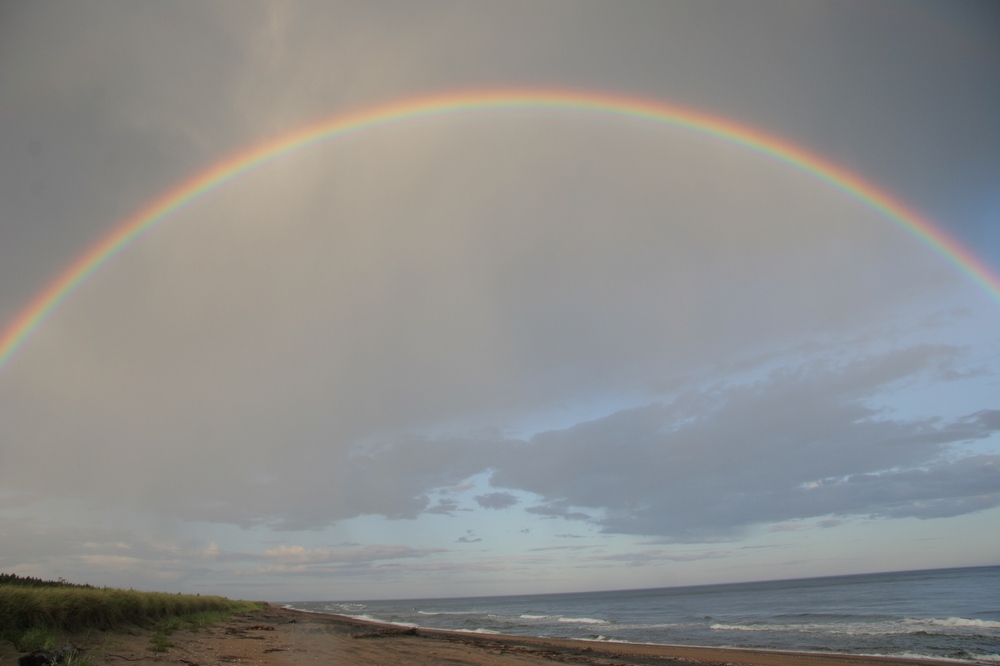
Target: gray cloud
(496, 500)
(298, 555)
(653, 556)
(558, 509)
(314, 341)
(805, 442)
(948, 488)
(444, 506)
(305, 312)
(986, 419)
(802, 443)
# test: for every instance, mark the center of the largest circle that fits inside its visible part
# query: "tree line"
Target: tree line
(29, 581)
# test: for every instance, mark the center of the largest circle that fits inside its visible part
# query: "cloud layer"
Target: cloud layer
(494, 335)
(799, 443)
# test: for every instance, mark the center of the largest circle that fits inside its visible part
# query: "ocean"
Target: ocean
(940, 614)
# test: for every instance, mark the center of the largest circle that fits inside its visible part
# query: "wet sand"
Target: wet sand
(277, 636)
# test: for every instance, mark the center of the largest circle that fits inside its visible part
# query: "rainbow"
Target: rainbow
(596, 104)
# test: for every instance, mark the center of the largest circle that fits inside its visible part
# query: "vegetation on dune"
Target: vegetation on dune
(33, 611)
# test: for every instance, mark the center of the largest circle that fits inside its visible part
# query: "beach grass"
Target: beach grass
(33, 613)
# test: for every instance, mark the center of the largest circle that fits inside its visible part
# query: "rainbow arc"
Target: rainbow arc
(217, 175)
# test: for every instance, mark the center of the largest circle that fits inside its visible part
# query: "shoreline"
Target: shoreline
(641, 653)
(704, 654)
(279, 636)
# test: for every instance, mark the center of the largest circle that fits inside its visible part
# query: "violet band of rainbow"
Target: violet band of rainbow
(27, 320)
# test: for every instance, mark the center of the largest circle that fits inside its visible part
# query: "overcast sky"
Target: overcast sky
(498, 352)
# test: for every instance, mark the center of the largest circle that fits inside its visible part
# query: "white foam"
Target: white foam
(927, 657)
(583, 620)
(740, 627)
(408, 625)
(366, 618)
(305, 610)
(420, 612)
(955, 622)
(953, 625)
(628, 627)
(858, 629)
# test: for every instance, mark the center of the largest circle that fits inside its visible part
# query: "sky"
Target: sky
(500, 351)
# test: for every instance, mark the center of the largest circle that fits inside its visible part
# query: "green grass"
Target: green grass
(29, 640)
(34, 614)
(76, 608)
(204, 619)
(79, 659)
(160, 643)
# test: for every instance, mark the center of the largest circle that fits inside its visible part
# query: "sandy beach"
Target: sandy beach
(278, 636)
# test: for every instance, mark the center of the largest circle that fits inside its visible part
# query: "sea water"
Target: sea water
(939, 614)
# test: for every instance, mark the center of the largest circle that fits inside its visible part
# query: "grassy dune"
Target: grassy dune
(30, 607)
